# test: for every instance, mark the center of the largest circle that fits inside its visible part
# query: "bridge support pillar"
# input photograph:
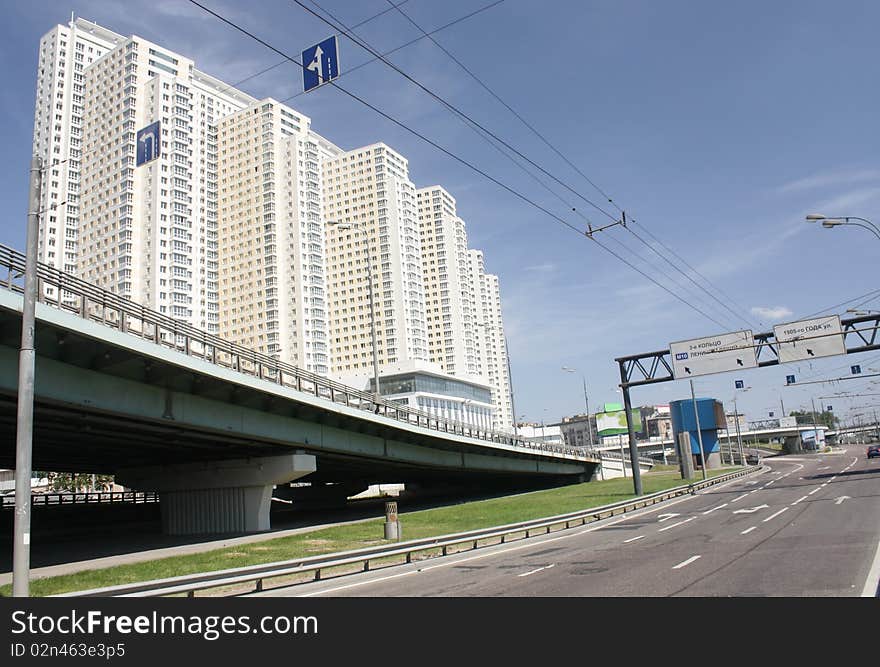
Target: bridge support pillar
(792, 444)
(217, 496)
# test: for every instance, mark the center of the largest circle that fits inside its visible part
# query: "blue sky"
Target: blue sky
(716, 126)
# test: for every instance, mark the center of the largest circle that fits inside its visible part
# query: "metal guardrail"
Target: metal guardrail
(257, 574)
(95, 304)
(88, 498)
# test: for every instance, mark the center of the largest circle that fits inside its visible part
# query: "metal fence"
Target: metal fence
(85, 498)
(65, 292)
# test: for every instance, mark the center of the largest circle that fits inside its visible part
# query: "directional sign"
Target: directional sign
(713, 354)
(739, 384)
(856, 369)
(149, 141)
(828, 409)
(809, 339)
(320, 64)
(771, 414)
(789, 379)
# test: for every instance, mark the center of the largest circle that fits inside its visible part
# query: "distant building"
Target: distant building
(579, 431)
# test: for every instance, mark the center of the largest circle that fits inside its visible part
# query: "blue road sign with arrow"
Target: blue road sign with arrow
(739, 384)
(856, 369)
(320, 64)
(789, 379)
(149, 141)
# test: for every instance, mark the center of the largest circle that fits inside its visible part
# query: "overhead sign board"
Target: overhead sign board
(713, 354)
(149, 140)
(320, 64)
(809, 339)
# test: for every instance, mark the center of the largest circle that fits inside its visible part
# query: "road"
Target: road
(809, 525)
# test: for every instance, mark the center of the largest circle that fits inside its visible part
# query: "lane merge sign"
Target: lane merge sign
(809, 339)
(713, 354)
(320, 64)
(149, 141)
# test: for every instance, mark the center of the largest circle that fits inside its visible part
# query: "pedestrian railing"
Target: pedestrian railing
(318, 566)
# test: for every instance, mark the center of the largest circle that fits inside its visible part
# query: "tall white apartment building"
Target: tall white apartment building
(448, 292)
(368, 192)
(149, 233)
(491, 341)
(273, 294)
(65, 52)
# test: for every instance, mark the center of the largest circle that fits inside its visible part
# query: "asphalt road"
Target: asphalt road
(808, 526)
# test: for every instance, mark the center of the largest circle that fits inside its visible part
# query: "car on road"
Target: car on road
(874, 450)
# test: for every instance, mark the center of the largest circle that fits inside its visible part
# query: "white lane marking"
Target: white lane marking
(814, 491)
(840, 499)
(768, 483)
(751, 509)
(715, 508)
(748, 530)
(686, 562)
(666, 517)
(740, 498)
(518, 547)
(833, 478)
(824, 468)
(773, 516)
(546, 567)
(822, 486)
(799, 500)
(676, 524)
(633, 539)
(872, 583)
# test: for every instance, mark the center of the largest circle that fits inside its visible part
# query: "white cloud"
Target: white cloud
(542, 268)
(773, 314)
(826, 179)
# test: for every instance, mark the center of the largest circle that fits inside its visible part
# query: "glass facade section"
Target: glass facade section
(416, 382)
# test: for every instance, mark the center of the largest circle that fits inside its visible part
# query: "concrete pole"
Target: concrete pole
(510, 384)
(21, 545)
(738, 434)
(699, 430)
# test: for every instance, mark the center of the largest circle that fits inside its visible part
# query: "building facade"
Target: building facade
(372, 221)
(149, 232)
(448, 293)
(273, 296)
(490, 341)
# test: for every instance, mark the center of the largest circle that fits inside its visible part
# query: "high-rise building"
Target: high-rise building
(448, 293)
(372, 220)
(65, 53)
(491, 343)
(149, 232)
(271, 239)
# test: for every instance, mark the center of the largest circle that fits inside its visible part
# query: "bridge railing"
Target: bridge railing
(66, 292)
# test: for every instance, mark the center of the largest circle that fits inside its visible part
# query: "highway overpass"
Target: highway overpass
(213, 426)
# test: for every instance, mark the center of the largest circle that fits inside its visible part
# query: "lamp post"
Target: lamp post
(377, 394)
(837, 221)
(586, 403)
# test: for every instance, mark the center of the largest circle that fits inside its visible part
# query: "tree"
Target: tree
(822, 418)
(77, 481)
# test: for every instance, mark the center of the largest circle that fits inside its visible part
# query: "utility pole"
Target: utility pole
(699, 430)
(24, 435)
(587, 401)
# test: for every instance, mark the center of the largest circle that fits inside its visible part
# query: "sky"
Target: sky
(715, 126)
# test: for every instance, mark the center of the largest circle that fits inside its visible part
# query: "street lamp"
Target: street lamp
(586, 402)
(837, 221)
(377, 394)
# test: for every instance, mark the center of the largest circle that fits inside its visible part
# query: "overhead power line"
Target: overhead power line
(452, 155)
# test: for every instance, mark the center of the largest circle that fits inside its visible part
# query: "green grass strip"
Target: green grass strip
(414, 525)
